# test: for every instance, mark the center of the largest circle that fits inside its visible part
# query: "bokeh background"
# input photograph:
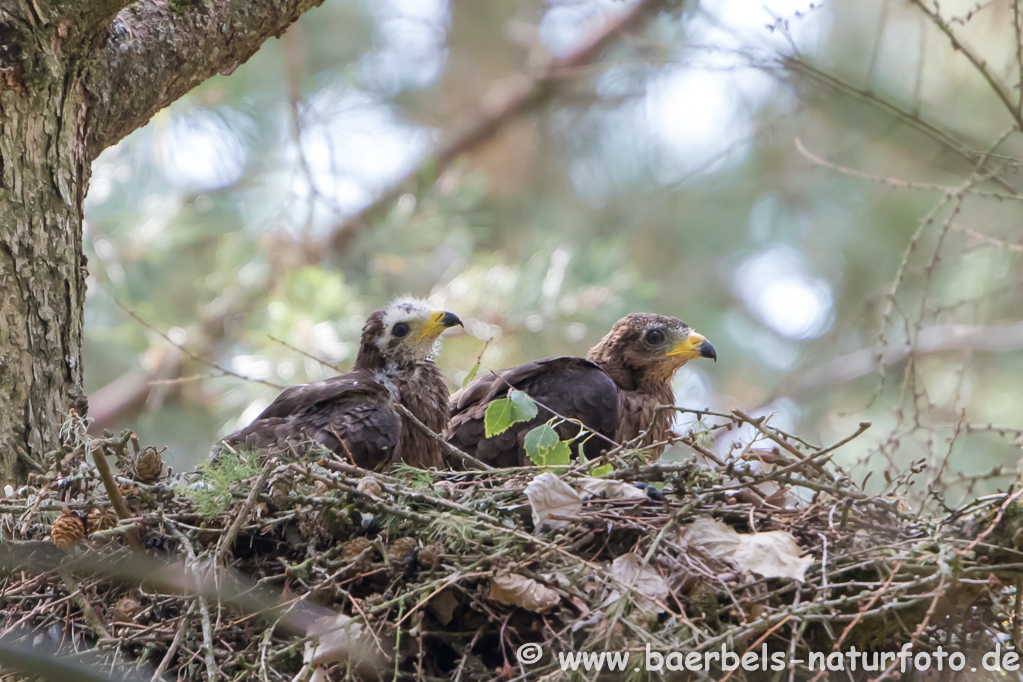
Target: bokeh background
(822, 189)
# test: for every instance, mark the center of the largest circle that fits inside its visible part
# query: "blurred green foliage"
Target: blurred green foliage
(666, 177)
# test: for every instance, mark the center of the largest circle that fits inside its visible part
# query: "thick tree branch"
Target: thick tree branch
(155, 51)
(67, 17)
(85, 17)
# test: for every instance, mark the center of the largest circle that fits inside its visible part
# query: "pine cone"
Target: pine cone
(280, 485)
(370, 486)
(355, 547)
(101, 519)
(401, 548)
(310, 525)
(68, 530)
(128, 491)
(126, 609)
(338, 522)
(373, 601)
(148, 465)
(703, 601)
(132, 497)
(430, 555)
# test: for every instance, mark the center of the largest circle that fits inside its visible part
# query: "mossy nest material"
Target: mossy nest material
(270, 569)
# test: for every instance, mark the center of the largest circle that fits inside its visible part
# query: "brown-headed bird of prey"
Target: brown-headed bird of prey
(614, 391)
(353, 414)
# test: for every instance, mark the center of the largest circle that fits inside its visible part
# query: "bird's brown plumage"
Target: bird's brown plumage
(643, 371)
(613, 391)
(572, 387)
(353, 414)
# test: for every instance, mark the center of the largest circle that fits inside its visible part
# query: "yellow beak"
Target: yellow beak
(439, 321)
(695, 346)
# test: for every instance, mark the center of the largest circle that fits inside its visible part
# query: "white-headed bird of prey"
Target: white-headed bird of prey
(353, 415)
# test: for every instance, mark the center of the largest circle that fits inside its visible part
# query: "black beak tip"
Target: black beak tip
(708, 351)
(450, 320)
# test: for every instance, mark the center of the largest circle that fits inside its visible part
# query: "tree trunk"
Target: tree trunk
(76, 76)
(43, 178)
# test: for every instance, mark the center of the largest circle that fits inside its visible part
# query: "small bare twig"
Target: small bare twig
(446, 446)
(174, 645)
(201, 360)
(88, 610)
(227, 539)
(979, 64)
(99, 456)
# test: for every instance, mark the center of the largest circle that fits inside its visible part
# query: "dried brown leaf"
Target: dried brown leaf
(518, 590)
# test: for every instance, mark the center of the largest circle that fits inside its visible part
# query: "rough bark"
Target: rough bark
(75, 79)
(158, 51)
(43, 175)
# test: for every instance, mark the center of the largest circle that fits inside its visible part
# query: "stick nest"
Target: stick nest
(308, 568)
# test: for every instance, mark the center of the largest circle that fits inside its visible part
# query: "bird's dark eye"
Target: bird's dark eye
(399, 330)
(655, 337)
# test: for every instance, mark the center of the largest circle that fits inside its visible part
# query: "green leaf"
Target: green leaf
(545, 449)
(470, 376)
(539, 441)
(602, 470)
(503, 412)
(560, 455)
(525, 408)
(498, 417)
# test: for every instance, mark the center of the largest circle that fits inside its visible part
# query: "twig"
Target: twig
(175, 643)
(99, 456)
(796, 66)
(227, 539)
(446, 446)
(87, 608)
(979, 64)
(465, 655)
(27, 460)
(307, 354)
(758, 424)
(994, 522)
(190, 354)
(212, 673)
(898, 182)
(818, 457)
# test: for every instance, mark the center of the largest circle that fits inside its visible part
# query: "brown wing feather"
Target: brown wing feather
(348, 414)
(573, 387)
(349, 387)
